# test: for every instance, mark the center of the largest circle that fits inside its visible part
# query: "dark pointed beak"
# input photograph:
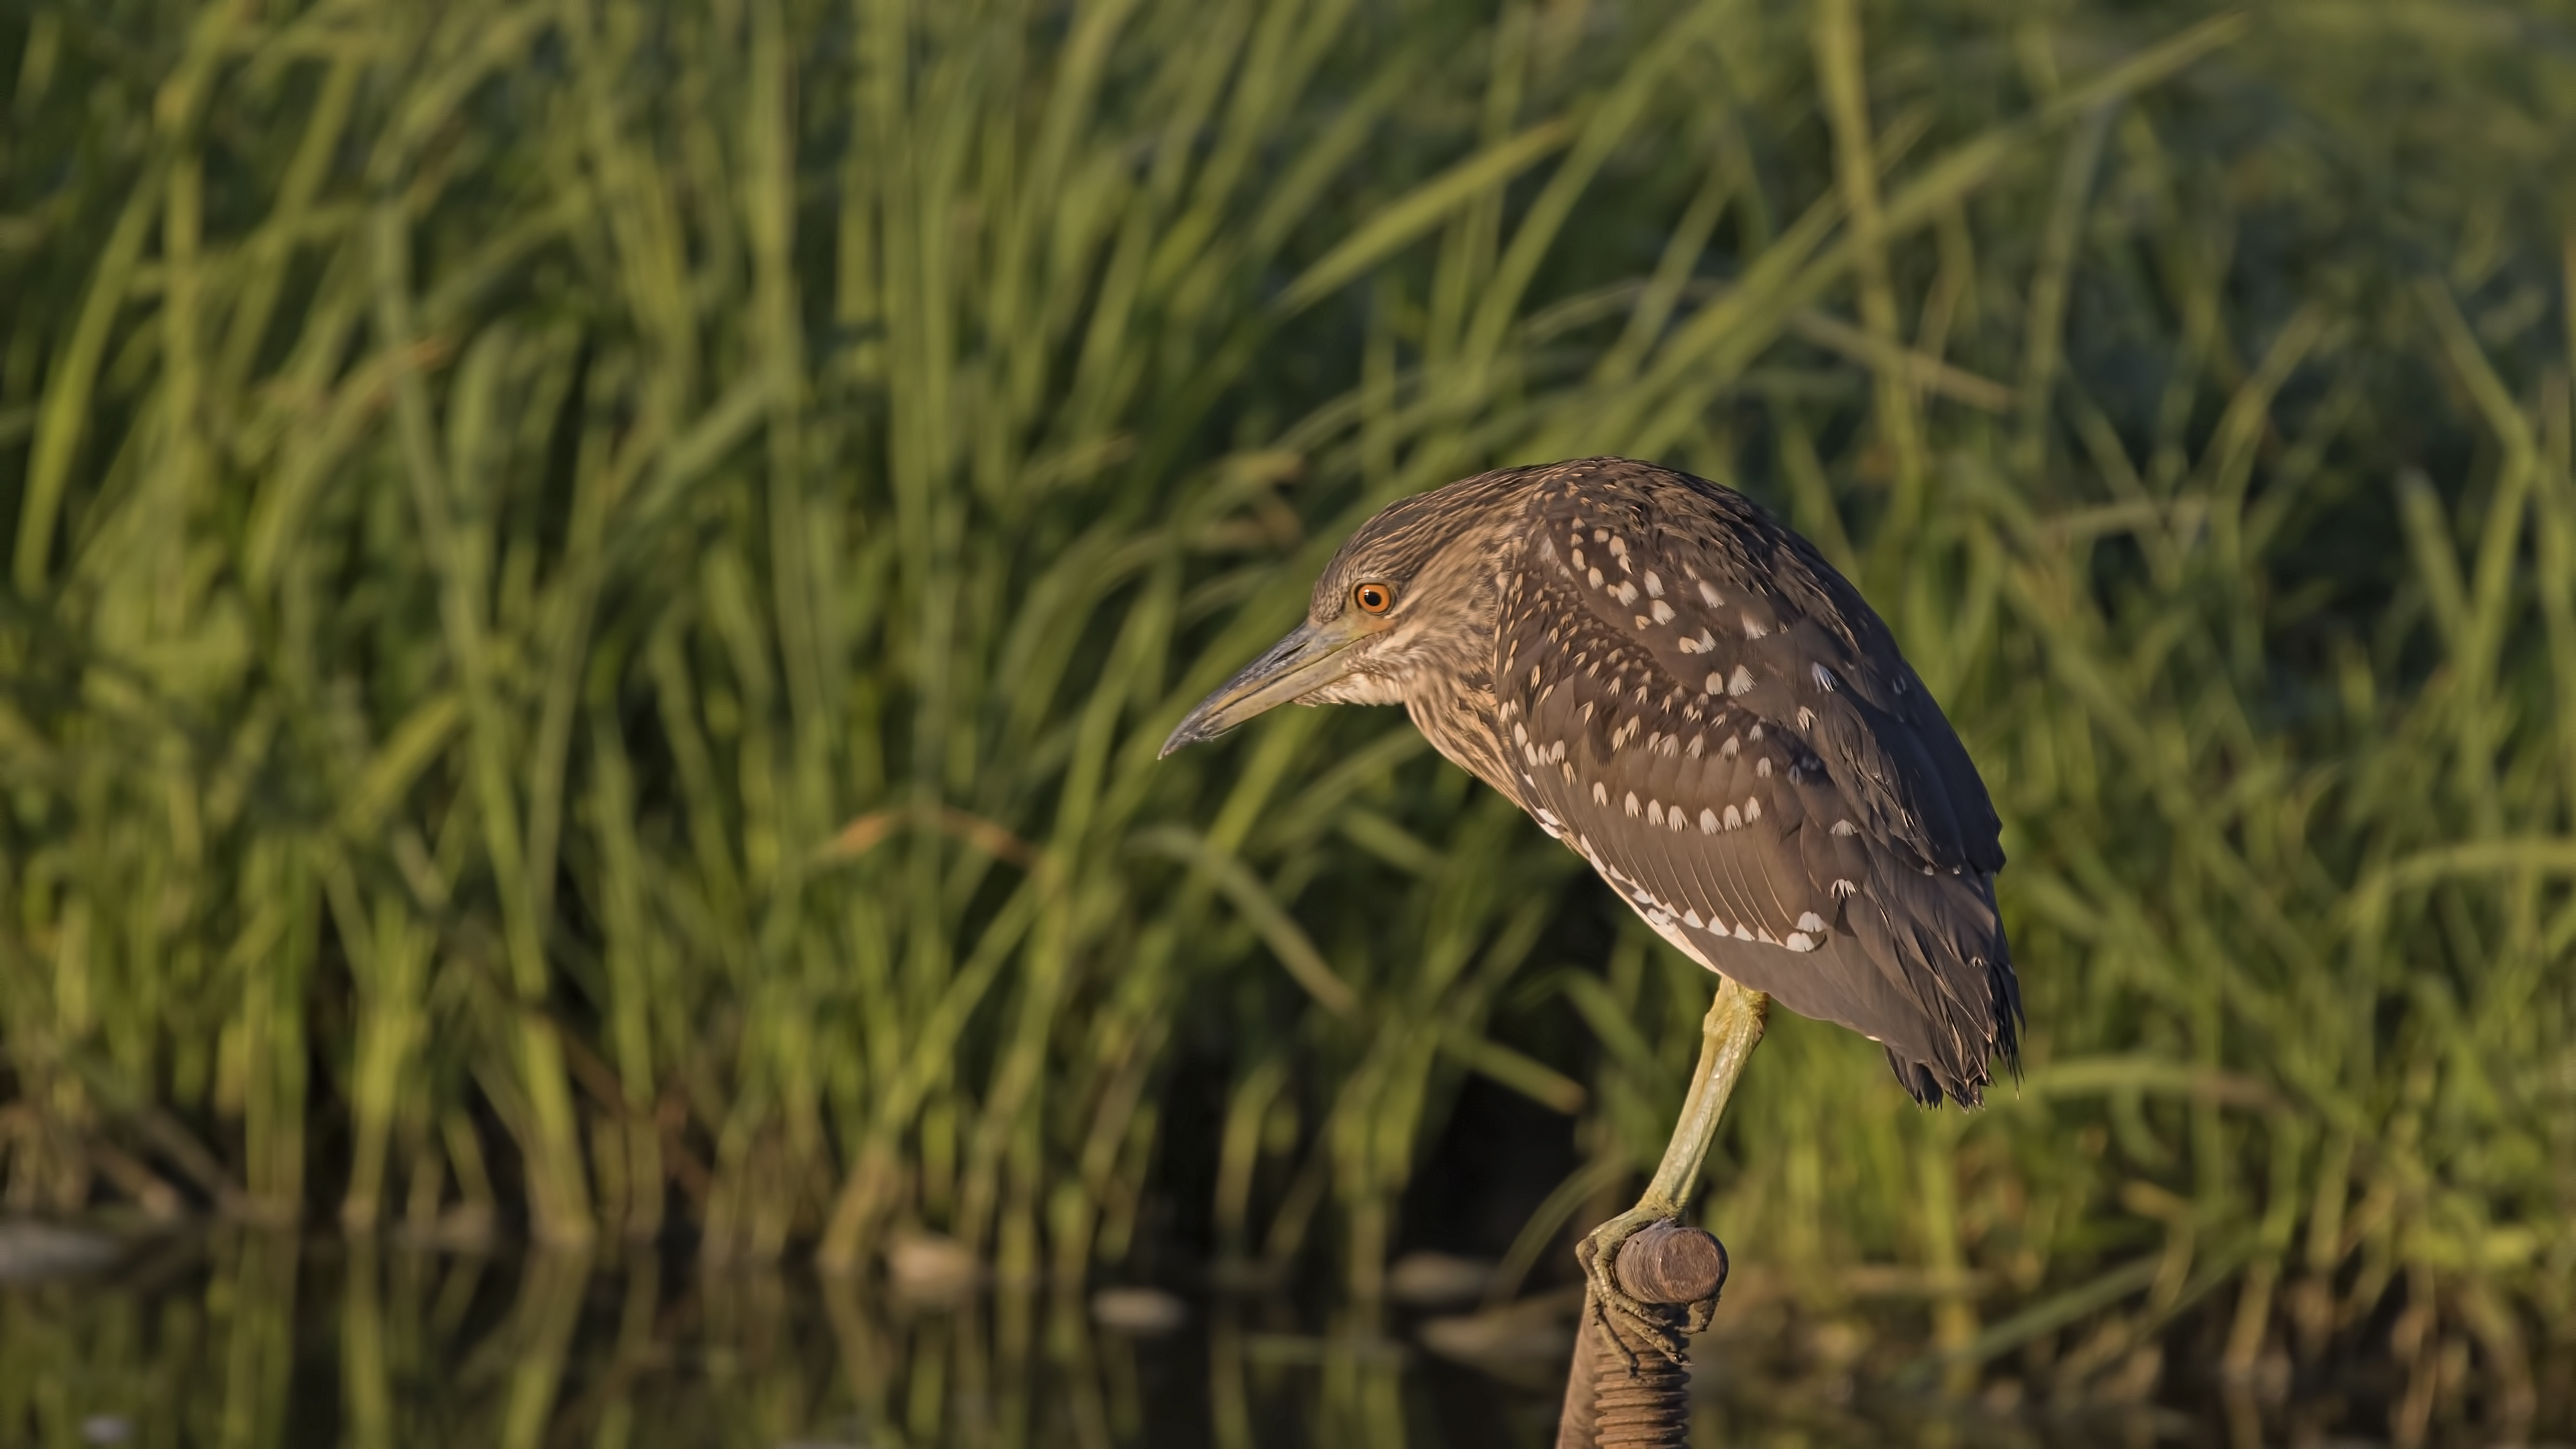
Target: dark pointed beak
(1311, 657)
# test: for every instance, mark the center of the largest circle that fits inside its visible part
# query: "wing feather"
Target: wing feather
(1720, 723)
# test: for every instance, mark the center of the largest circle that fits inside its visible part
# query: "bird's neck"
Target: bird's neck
(1460, 725)
(1453, 703)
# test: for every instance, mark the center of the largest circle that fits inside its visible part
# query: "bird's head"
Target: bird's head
(1407, 601)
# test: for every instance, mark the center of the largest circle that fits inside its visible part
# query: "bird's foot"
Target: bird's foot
(1627, 1320)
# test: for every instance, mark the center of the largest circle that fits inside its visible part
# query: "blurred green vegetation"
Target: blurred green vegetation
(250, 1339)
(593, 588)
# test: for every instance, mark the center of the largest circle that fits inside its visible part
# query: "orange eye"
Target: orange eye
(1374, 598)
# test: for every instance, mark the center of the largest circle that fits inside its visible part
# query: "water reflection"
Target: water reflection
(246, 1340)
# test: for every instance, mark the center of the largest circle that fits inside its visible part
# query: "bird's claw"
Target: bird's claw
(1625, 1319)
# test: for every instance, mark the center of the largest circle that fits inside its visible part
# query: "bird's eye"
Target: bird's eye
(1374, 598)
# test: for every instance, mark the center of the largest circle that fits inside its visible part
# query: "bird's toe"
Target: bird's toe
(1633, 1324)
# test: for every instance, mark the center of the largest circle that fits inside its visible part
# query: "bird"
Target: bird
(1685, 692)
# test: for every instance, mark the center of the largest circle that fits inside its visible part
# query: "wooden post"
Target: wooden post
(1623, 1392)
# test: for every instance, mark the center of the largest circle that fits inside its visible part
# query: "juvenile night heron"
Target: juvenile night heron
(1689, 696)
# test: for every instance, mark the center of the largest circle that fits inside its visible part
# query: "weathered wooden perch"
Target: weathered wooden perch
(1623, 1392)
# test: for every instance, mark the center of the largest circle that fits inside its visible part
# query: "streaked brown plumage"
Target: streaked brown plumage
(1688, 695)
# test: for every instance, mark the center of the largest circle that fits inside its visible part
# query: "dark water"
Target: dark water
(247, 1340)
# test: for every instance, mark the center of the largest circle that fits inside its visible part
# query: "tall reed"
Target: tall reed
(594, 586)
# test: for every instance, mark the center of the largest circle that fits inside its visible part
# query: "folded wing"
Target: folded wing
(1708, 713)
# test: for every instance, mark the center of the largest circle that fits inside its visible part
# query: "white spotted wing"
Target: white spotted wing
(1698, 705)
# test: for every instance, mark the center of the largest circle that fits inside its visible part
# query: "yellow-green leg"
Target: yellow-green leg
(1727, 1037)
